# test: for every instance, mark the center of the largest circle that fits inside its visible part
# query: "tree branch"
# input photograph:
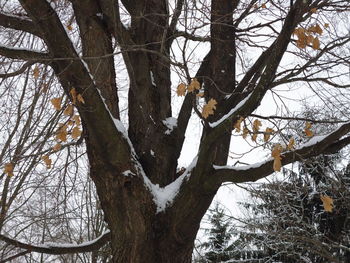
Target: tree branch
(190, 36)
(24, 54)
(9, 259)
(59, 249)
(330, 143)
(19, 23)
(17, 72)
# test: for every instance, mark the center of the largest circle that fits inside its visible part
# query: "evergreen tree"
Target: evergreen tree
(289, 222)
(219, 236)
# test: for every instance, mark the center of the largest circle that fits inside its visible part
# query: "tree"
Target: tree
(219, 236)
(288, 221)
(71, 49)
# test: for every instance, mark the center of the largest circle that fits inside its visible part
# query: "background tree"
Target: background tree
(219, 236)
(288, 221)
(73, 47)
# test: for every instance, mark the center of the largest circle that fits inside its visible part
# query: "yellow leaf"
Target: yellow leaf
(326, 25)
(316, 43)
(8, 169)
(268, 132)
(208, 109)
(291, 143)
(194, 85)
(277, 164)
(76, 132)
(327, 203)
(69, 27)
(307, 130)
(310, 39)
(80, 99)
(315, 29)
(245, 132)
(56, 102)
(181, 90)
(263, 5)
(302, 41)
(57, 147)
(61, 134)
(47, 161)
(313, 10)
(69, 110)
(70, 123)
(309, 133)
(74, 94)
(256, 125)
(302, 37)
(276, 154)
(237, 125)
(76, 119)
(200, 94)
(36, 72)
(254, 137)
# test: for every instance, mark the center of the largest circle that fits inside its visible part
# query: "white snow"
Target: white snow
(314, 140)
(100, 15)
(152, 79)
(152, 119)
(243, 167)
(70, 245)
(16, 16)
(52, 4)
(230, 113)
(170, 123)
(164, 196)
(152, 153)
(128, 173)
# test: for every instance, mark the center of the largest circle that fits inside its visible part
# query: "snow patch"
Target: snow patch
(243, 167)
(164, 196)
(230, 113)
(314, 140)
(152, 78)
(152, 153)
(70, 245)
(170, 123)
(128, 173)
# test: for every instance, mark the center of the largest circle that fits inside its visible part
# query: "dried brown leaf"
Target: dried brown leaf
(181, 90)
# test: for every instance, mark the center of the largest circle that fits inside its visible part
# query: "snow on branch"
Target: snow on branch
(230, 113)
(58, 249)
(164, 196)
(329, 143)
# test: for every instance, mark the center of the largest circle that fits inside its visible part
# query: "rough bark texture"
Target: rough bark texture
(138, 232)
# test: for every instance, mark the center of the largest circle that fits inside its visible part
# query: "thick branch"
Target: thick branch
(59, 249)
(330, 143)
(19, 23)
(24, 54)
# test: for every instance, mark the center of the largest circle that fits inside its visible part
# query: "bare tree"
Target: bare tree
(153, 209)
